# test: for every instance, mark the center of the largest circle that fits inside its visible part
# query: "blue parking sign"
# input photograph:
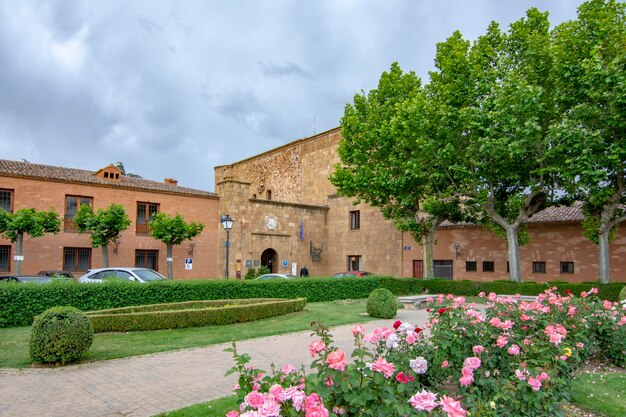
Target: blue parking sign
(188, 263)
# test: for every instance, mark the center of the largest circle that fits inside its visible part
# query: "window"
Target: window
(76, 259)
(145, 214)
(567, 267)
(5, 258)
(268, 194)
(470, 266)
(443, 268)
(147, 259)
(355, 220)
(6, 200)
(72, 203)
(539, 267)
(489, 266)
(354, 263)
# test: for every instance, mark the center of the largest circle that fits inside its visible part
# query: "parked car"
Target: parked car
(56, 273)
(142, 275)
(275, 276)
(38, 279)
(352, 274)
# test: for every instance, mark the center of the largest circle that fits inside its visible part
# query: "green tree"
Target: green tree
(390, 160)
(34, 223)
(513, 174)
(590, 68)
(173, 231)
(105, 226)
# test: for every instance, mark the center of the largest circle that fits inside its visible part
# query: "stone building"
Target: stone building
(287, 213)
(27, 185)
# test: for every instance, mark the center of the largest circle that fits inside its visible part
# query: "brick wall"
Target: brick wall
(47, 252)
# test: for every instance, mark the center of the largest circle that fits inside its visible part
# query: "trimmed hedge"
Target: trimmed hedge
(60, 335)
(20, 303)
(190, 314)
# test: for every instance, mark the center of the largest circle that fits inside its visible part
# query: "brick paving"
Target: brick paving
(146, 385)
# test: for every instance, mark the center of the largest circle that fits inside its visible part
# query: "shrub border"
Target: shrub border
(217, 313)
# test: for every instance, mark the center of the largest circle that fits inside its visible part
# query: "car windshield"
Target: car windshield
(148, 275)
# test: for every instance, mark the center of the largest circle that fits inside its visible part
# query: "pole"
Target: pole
(227, 250)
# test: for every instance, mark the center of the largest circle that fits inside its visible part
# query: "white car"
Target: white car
(275, 276)
(142, 275)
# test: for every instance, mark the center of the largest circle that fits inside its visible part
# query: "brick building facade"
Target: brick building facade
(286, 210)
(26, 185)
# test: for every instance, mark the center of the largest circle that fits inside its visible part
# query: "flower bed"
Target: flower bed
(191, 314)
(515, 359)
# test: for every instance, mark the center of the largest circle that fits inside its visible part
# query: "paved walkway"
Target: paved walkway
(151, 384)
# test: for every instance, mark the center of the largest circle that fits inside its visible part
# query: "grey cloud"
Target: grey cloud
(285, 70)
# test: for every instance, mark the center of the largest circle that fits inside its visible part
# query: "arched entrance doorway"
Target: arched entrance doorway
(269, 258)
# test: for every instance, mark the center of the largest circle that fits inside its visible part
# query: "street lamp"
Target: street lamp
(227, 224)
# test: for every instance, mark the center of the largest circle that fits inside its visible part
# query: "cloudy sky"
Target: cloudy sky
(174, 88)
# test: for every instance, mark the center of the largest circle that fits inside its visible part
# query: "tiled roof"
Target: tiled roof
(553, 214)
(54, 173)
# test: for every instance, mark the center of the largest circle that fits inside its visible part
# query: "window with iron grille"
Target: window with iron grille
(567, 267)
(355, 220)
(489, 266)
(76, 259)
(145, 214)
(5, 258)
(539, 267)
(146, 258)
(6, 200)
(72, 204)
(470, 266)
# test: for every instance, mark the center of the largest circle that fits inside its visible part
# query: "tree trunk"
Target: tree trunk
(512, 235)
(18, 253)
(170, 272)
(105, 256)
(427, 247)
(604, 271)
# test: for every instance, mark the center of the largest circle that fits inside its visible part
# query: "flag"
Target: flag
(301, 230)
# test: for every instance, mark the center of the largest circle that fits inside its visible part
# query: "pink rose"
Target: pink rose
(521, 375)
(270, 407)
(254, 399)
(276, 390)
(316, 346)
(502, 341)
(358, 329)
(337, 360)
(607, 305)
(232, 414)
(472, 362)
(426, 401)
(445, 364)
(317, 410)
(287, 369)
(411, 338)
(467, 378)
(514, 350)
(478, 349)
(297, 399)
(534, 383)
(381, 365)
(453, 408)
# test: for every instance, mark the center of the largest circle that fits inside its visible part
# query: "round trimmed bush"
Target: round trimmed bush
(381, 303)
(622, 294)
(60, 335)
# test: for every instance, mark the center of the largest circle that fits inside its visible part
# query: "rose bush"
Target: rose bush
(510, 357)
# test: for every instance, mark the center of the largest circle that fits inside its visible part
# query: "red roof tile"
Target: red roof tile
(54, 173)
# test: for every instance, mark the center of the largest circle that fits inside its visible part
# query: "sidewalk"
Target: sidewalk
(143, 386)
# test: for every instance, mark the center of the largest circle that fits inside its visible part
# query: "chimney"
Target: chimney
(170, 181)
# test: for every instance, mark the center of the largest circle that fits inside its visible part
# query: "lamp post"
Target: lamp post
(227, 224)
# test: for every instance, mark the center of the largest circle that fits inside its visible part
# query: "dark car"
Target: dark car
(352, 274)
(37, 279)
(56, 273)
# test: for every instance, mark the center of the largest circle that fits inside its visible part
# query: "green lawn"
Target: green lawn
(603, 392)
(14, 341)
